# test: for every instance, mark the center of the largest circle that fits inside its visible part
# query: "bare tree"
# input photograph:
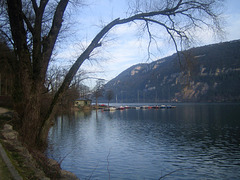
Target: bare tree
(33, 27)
(55, 76)
(109, 95)
(98, 90)
(54, 79)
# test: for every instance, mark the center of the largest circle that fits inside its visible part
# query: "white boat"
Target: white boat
(127, 107)
(163, 106)
(144, 107)
(110, 109)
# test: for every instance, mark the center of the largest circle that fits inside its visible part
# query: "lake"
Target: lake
(191, 141)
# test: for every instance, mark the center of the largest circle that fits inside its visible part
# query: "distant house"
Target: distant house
(82, 102)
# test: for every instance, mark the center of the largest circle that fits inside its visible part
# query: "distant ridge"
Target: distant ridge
(210, 73)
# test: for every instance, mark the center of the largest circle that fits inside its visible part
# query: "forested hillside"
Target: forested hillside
(206, 74)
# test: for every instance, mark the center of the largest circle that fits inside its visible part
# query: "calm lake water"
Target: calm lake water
(192, 141)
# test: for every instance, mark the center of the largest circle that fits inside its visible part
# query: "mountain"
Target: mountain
(204, 74)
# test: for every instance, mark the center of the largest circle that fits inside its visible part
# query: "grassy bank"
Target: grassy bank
(30, 163)
(16, 158)
(4, 172)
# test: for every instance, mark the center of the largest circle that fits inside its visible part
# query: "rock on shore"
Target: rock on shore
(11, 142)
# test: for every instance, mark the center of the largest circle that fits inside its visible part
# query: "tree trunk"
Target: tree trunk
(31, 122)
(28, 110)
(32, 60)
(43, 133)
(27, 105)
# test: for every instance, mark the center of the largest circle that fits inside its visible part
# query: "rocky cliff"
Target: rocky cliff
(204, 74)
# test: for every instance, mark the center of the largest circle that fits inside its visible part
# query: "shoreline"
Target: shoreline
(20, 162)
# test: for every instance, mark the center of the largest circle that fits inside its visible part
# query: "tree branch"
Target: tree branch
(37, 41)
(178, 9)
(19, 36)
(29, 25)
(35, 7)
(17, 26)
(94, 44)
(50, 40)
(150, 40)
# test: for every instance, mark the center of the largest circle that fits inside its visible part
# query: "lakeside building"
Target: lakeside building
(82, 102)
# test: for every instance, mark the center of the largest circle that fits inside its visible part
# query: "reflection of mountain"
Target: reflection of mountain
(210, 74)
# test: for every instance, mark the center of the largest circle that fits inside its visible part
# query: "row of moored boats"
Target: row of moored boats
(112, 108)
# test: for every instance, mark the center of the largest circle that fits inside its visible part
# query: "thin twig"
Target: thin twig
(67, 154)
(172, 172)
(108, 163)
(93, 172)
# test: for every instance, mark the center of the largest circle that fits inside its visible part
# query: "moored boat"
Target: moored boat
(110, 109)
(155, 107)
(144, 107)
(163, 106)
(120, 108)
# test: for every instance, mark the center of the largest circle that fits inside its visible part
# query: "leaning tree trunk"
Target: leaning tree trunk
(32, 61)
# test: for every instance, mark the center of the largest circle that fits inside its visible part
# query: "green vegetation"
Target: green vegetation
(16, 158)
(4, 172)
(18, 162)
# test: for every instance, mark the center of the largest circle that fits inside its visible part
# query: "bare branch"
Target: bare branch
(35, 7)
(49, 41)
(29, 25)
(35, 31)
(108, 164)
(147, 17)
(7, 36)
(150, 40)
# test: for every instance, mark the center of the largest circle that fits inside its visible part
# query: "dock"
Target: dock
(114, 108)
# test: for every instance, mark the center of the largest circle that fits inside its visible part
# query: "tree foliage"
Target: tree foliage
(33, 28)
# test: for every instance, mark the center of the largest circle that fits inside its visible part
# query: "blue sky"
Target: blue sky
(124, 46)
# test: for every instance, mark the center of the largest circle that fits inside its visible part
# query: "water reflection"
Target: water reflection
(199, 141)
